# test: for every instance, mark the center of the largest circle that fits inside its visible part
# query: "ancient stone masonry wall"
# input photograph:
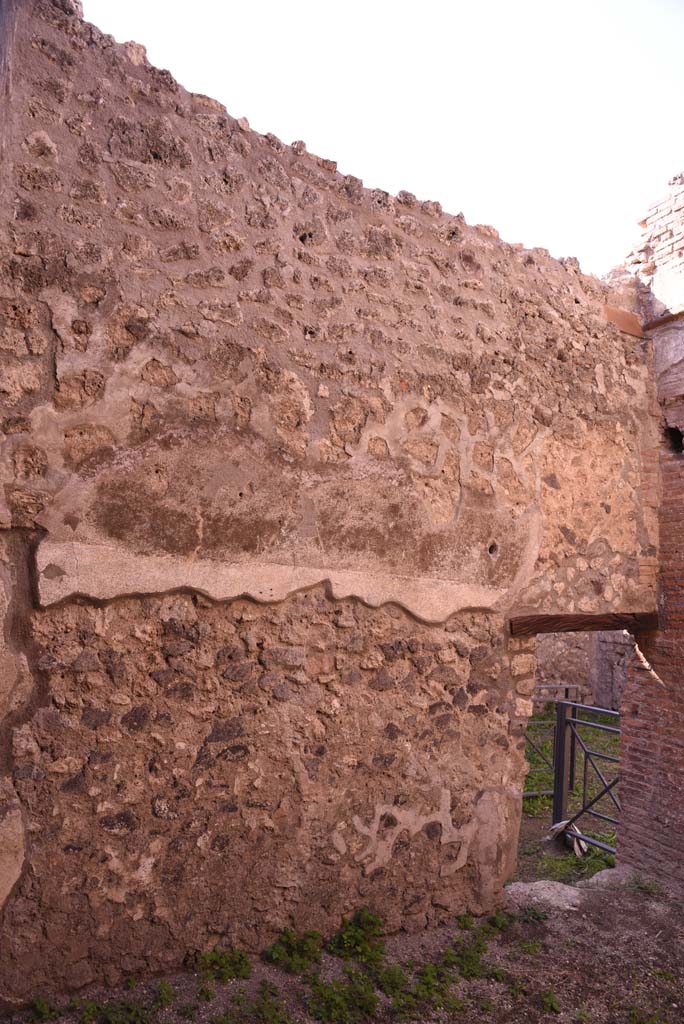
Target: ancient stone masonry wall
(564, 663)
(591, 667)
(233, 368)
(238, 768)
(279, 457)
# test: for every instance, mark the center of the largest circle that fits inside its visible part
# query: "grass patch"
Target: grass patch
(268, 1007)
(188, 1011)
(538, 806)
(568, 868)
(646, 885)
(533, 914)
(206, 993)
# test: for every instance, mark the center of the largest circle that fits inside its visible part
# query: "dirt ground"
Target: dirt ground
(618, 959)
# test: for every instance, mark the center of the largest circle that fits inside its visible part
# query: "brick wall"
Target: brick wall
(652, 822)
(658, 259)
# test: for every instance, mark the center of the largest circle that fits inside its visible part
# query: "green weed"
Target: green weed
(359, 938)
(430, 991)
(123, 1012)
(500, 921)
(391, 980)
(225, 964)
(165, 995)
(637, 1016)
(496, 974)
(295, 953)
(533, 914)
(268, 1007)
(206, 993)
(549, 1001)
(90, 1012)
(343, 1002)
(517, 987)
(467, 957)
(188, 1011)
(530, 946)
(41, 1009)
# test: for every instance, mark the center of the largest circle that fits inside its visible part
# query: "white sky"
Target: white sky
(556, 121)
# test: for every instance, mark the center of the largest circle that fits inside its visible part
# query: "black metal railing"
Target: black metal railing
(600, 776)
(540, 738)
(574, 759)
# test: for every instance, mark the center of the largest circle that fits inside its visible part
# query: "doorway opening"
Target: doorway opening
(573, 753)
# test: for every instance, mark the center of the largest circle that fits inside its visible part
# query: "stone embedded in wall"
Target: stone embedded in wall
(11, 840)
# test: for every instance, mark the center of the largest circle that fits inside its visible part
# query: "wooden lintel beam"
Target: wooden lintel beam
(636, 622)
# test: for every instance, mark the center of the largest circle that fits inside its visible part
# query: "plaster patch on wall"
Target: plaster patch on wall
(391, 820)
(104, 572)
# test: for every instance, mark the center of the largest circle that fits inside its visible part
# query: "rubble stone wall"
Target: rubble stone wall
(592, 667)
(279, 457)
(612, 655)
(564, 663)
